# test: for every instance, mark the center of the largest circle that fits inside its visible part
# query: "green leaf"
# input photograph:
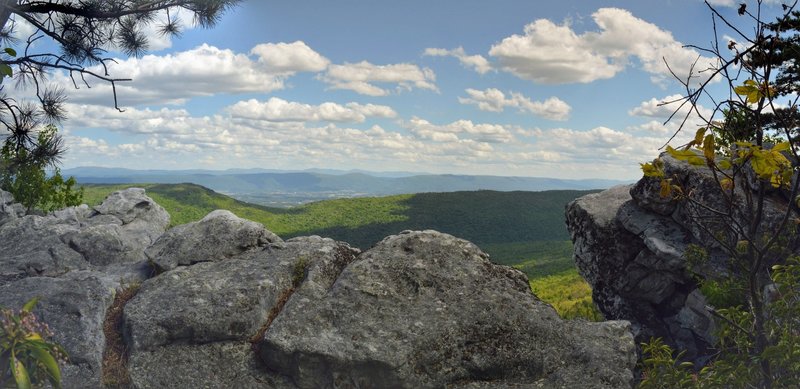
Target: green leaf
(724, 164)
(10, 51)
(30, 304)
(45, 358)
(6, 70)
(20, 373)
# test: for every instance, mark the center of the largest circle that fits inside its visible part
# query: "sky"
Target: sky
(564, 89)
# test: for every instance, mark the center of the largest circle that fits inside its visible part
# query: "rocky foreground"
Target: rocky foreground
(225, 303)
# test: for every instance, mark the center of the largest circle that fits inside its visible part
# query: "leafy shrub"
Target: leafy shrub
(733, 367)
(26, 354)
(25, 177)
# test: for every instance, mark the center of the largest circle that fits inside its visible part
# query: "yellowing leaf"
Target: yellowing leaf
(666, 189)
(743, 90)
(783, 146)
(724, 164)
(30, 304)
(772, 166)
(33, 336)
(20, 373)
(708, 148)
(698, 136)
(726, 183)
(681, 155)
(654, 169)
(696, 161)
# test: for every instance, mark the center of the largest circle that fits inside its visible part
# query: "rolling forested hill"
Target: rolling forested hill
(521, 229)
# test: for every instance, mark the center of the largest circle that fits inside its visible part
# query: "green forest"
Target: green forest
(521, 229)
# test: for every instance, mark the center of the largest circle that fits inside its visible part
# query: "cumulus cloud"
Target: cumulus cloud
(457, 130)
(278, 110)
(672, 106)
(494, 100)
(203, 71)
(175, 138)
(475, 62)
(550, 53)
(289, 58)
(363, 76)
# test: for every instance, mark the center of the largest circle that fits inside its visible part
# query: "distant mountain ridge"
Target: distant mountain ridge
(282, 188)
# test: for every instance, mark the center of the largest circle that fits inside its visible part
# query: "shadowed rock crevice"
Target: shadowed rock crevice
(115, 356)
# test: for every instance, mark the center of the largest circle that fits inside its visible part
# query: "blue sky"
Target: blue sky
(563, 89)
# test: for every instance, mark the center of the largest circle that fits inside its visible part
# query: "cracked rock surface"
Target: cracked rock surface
(224, 302)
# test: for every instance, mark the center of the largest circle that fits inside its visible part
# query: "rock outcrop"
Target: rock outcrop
(630, 245)
(223, 303)
(75, 259)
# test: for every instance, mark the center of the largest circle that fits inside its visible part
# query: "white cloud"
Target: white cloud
(458, 130)
(202, 71)
(175, 139)
(494, 100)
(675, 106)
(279, 110)
(289, 58)
(549, 53)
(361, 77)
(476, 62)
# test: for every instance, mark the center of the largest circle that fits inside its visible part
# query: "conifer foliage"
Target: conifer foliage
(78, 34)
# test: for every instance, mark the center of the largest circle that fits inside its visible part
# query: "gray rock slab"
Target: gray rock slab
(74, 308)
(213, 365)
(222, 305)
(425, 309)
(218, 236)
(79, 238)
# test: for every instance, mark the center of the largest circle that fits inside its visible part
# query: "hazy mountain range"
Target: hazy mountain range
(285, 188)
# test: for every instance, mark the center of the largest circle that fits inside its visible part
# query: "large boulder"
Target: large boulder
(218, 236)
(427, 310)
(634, 262)
(215, 309)
(630, 245)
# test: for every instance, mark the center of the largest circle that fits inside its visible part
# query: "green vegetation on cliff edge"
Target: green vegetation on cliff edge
(521, 229)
